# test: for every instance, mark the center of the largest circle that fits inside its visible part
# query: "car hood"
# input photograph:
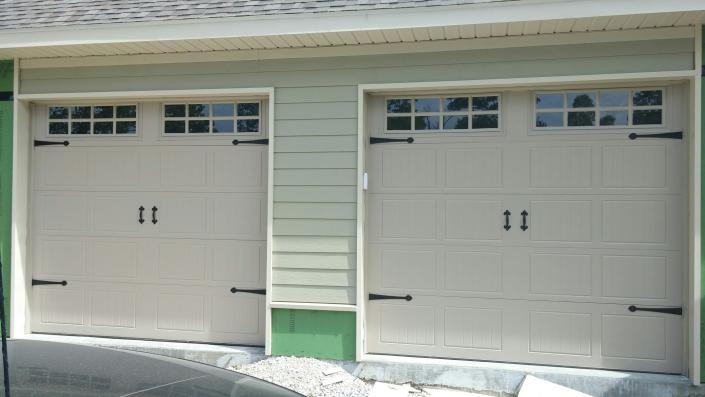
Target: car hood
(39, 369)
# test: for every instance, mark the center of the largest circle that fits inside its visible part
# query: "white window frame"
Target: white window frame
(630, 108)
(441, 114)
(234, 101)
(92, 120)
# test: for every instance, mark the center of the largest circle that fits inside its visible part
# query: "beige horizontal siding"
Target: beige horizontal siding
(315, 130)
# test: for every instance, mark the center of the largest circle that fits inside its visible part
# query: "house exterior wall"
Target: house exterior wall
(315, 139)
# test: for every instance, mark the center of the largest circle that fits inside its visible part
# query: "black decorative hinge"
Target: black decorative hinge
(251, 142)
(7, 96)
(249, 291)
(664, 135)
(47, 282)
(668, 310)
(50, 143)
(374, 140)
(376, 297)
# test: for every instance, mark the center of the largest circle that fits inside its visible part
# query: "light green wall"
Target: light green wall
(311, 333)
(6, 87)
(316, 130)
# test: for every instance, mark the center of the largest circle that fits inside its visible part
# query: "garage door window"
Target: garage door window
(598, 109)
(457, 113)
(243, 118)
(93, 120)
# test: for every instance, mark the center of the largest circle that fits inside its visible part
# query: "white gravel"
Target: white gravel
(307, 376)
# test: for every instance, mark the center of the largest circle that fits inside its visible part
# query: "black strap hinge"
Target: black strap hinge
(376, 297)
(664, 135)
(249, 291)
(50, 143)
(47, 282)
(8, 96)
(667, 310)
(374, 140)
(251, 142)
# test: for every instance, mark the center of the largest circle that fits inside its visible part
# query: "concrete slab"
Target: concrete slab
(381, 389)
(535, 387)
(222, 356)
(502, 379)
(433, 392)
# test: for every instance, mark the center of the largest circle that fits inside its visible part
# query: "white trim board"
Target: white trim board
(313, 306)
(146, 95)
(270, 228)
(523, 83)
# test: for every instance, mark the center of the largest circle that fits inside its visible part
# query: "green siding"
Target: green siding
(6, 85)
(323, 334)
(702, 224)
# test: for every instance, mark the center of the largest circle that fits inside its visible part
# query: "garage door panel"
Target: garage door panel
(632, 221)
(237, 261)
(415, 219)
(561, 167)
(474, 168)
(560, 274)
(179, 260)
(560, 332)
(407, 168)
(473, 271)
(474, 219)
(63, 212)
(116, 168)
(408, 269)
(245, 170)
(561, 221)
(634, 166)
(116, 213)
(60, 257)
(470, 327)
(62, 169)
(113, 309)
(60, 305)
(181, 312)
(238, 314)
(119, 259)
(407, 324)
(180, 168)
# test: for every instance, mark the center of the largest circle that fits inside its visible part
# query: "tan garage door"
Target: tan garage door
(597, 224)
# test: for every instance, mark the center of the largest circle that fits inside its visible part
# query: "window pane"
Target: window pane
(81, 112)
(485, 121)
(647, 117)
(459, 104)
(223, 126)
(127, 127)
(614, 117)
(199, 110)
(481, 103)
(223, 110)
(174, 110)
(549, 101)
(581, 119)
(648, 98)
(198, 126)
(103, 128)
(399, 106)
(614, 98)
(248, 109)
(248, 126)
(58, 113)
(455, 122)
(398, 123)
(58, 128)
(81, 128)
(427, 105)
(126, 112)
(174, 127)
(426, 122)
(103, 112)
(581, 100)
(549, 119)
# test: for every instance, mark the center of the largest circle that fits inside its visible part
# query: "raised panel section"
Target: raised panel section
(473, 219)
(238, 170)
(180, 312)
(61, 306)
(556, 274)
(561, 167)
(473, 328)
(408, 269)
(63, 213)
(635, 337)
(116, 168)
(634, 276)
(61, 257)
(473, 271)
(237, 261)
(409, 218)
(238, 216)
(634, 166)
(409, 168)
(59, 168)
(238, 315)
(562, 333)
(412, 325)
(115, 214)
(113, 309)
(182, 261)
(631, 221)
(184, 168)
(182, 215)
(565, 221)
(114, 259)
(474, 168)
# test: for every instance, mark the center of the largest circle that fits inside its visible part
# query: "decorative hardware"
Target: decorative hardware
(524, 226)
(154, 214)
(506, 214)
(376, 297)
(47, 282)
(374, 140)
(7, 96)
(668, 310)
(249, 291)
(666, 135)
(141, 218)
(251, 142)
(50, 143)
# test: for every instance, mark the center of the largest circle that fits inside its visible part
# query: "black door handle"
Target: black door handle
(47, 282)
(376, 297)
(507, 226)
(154, 214)
(249, 291)
(524, 226)
(141, 218)
(668, 310)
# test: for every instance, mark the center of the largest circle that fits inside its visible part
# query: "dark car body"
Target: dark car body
(39, 369)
